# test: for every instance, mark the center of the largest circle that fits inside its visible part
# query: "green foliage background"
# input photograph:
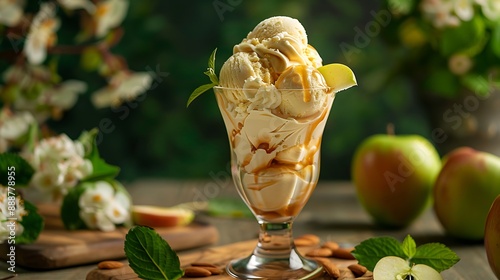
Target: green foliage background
(157, 136)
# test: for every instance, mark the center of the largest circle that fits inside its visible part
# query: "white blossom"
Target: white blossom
(9, 216)
(109, 14)
(490, 9)
(59, 165)
(440, 12)
(41, 34)
(464, 9)
(11, 12)
(122, 86)
(64, 95)
(13, 126)
(102, 208)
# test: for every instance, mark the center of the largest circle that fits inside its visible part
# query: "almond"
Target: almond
(196, 271)
(109, 265)
(311, 237)
(358, 269)
(203, 264)
(319, 252)
(213, 270)
(329, 267)
(346, 274)
(343, 253)
(302, 242)
(331, 245)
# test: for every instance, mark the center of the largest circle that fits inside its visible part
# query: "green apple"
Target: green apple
(393, 176)
(492, 237)
(464, 191)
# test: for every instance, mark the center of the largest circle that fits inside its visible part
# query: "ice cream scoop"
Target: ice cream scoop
(274, 56)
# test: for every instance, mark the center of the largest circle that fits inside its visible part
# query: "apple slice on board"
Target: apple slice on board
(154, 216)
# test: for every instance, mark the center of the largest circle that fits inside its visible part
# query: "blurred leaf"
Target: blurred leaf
(401, 6)
(442, 83)
(32, 223)
(91, 59)
(15, 170)
(477, 83)
(70, 208)
(463, 37)
(495, 40)
(228, 207)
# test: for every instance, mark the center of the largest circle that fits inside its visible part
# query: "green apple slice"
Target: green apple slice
(338, 76)
(395, 268)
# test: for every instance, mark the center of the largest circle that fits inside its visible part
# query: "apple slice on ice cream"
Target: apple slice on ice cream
(338, 76)
(154, 216)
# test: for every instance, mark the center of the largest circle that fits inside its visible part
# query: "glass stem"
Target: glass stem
(275, 239)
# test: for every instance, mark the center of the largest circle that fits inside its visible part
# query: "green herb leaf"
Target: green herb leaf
(32, 224)
(409, 246)
(14, 170)
(211, 68)
(370, 251)
(435, 255)
(70, 208)
(198, 91)
(150, 256)
(211, 75)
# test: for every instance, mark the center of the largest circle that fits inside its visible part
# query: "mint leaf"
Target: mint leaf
(409, 246)
(150, 256)
(211, 75)
(435, 255)
(370, 251)
(14, 169)
(32, 224)
(70, 208)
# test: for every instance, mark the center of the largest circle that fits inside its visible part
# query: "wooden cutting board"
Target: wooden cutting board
(218, 256)
(57, 247)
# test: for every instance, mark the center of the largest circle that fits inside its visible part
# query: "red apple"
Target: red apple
(154, 216)
(492, 237)
(394, 175)
(464, 191)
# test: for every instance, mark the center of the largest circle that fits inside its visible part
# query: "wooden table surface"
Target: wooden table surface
(333, 213)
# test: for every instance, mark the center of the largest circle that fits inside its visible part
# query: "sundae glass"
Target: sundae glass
(275, 96)
(275, 167)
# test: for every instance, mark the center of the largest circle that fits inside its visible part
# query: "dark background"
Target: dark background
(157, 136)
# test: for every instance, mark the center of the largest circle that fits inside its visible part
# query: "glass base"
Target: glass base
(292, 266)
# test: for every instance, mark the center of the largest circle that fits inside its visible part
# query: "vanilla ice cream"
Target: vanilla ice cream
(275, 104)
